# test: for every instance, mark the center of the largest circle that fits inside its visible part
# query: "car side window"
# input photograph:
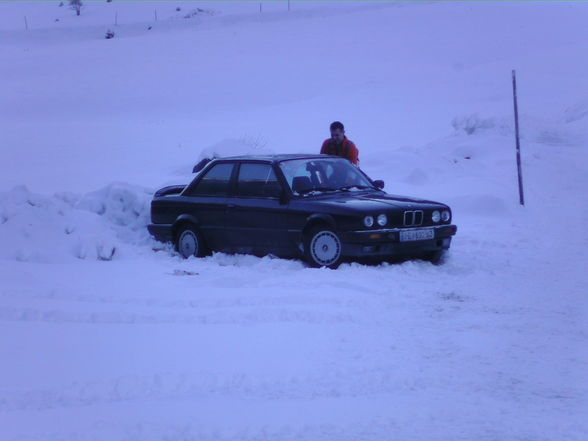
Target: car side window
(215, 182)
(258, 180)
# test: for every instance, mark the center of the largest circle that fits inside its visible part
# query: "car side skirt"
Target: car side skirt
(161, 232)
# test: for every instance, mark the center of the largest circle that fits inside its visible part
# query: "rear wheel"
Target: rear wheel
(322, 248)
(189, 242)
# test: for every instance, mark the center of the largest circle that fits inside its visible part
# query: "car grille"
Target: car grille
(413, 218)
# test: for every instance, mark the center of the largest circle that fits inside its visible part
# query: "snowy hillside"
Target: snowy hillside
(106, 335)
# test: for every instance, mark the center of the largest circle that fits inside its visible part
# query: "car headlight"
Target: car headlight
(382, 220)
(368, 221)
(446, 215)
(436, 216)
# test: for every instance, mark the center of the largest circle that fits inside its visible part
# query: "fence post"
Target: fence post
(518, 144)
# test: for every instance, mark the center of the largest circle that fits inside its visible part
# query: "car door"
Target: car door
(257, 218)
(207, 201)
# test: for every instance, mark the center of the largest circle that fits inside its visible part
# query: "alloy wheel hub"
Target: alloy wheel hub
(325, 247)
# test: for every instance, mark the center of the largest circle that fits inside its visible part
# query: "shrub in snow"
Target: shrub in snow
(471, 123)
(109, 34)
(76, 5)
(198, 11)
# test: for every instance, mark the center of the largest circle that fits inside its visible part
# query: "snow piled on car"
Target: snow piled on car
(236, 147)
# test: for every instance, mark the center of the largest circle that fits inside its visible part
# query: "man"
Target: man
(339, 145)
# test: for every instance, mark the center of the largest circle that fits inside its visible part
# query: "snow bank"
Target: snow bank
(65, 226)
(120, 203)
(568, 129)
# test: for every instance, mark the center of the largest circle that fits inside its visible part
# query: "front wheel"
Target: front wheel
(322, 248)
(189, 242)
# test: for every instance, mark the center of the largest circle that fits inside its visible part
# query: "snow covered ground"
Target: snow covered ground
(106, 335)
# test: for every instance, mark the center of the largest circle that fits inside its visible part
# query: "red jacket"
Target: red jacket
(345, 150)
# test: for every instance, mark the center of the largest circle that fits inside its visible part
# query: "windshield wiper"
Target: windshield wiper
(359, 187)
(309, 190)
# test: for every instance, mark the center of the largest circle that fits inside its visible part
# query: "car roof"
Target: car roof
(272, 158)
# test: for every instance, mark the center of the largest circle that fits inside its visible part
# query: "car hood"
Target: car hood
(362, 201)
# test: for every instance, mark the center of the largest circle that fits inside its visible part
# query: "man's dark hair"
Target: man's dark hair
(337, 125)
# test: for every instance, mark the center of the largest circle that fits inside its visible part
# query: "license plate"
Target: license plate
(422, 234)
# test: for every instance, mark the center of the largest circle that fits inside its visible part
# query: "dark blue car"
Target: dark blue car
(316, 207)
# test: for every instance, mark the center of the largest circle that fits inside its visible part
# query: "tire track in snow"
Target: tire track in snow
(257, 316)
(196, 303)
(359, 382)
(338, 384)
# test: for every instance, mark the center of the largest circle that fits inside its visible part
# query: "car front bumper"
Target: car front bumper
(387, 242)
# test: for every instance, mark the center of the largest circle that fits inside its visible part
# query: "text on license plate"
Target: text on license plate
(421, 234)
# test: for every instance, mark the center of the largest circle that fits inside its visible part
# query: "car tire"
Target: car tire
(322, 248)
(189, 242)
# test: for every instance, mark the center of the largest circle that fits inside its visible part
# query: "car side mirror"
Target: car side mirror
(379, 184)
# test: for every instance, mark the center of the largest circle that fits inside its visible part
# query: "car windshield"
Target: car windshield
(309, 176)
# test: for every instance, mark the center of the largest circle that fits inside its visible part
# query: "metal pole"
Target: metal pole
(516, 114)
(26, 23)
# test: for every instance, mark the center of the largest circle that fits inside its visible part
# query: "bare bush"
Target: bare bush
(76, 5)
